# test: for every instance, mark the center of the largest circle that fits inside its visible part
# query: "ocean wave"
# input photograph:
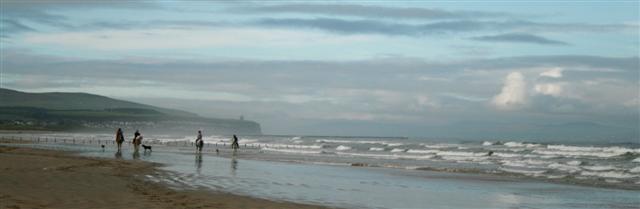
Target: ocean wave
(465, 159)
(566, 168)
(440, 146)
(525, 163)
(599, 168)
(421, 151)
(506, 155)
(635, 170)
(556, 176)
(337, 141)
(609, 174)
(465, 154)
(513, 164)
(293, 151)
(620, 150)
(387, 156)
(576, 153)
(637, 160)
(345, 141)
(521, 144)
(398, 150)
(376, 149)
(574, 162)
(287, 146)
(524, 172)
(414, 157)
(343, 148)
(375, 156)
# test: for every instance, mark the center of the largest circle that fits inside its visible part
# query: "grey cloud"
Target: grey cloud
(19, 14)
(368, 87)
(44, 5)
(368, 11)
(440, 27)
(520, 38)
(625, 67)
(10, 27)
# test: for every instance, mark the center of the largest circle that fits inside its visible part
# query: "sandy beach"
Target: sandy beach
(33, 178)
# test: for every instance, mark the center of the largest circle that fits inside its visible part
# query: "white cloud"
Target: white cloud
(635, 102)
(553, 73)
(552, 89)
(431, 78)
(513, 92)
(187, 38)
(424, 101)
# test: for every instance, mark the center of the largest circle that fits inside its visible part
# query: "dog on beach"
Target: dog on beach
(146, 148)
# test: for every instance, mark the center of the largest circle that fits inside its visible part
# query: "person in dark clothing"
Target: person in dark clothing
(199, 142)
(119, 138)
(234, 144)
(137, 140)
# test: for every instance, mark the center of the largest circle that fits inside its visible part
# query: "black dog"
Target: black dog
(146, 148)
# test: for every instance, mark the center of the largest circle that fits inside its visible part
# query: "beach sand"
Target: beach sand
(33, 178)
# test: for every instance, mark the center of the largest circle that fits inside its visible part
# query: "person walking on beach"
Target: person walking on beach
(137, 140)
(234, 143)
(199, 142)
(119, 138)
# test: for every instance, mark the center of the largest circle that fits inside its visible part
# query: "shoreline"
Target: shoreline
(512, 176)
(37, 178)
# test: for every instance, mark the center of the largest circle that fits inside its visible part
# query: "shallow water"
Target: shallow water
(599, 164)
(360, 187)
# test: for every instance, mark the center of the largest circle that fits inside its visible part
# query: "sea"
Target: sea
(386, 172)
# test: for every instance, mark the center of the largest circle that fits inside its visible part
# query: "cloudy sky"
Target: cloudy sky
(436, 69)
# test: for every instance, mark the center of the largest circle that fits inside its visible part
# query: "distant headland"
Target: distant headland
(85, 112)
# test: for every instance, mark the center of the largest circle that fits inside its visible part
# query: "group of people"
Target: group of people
(136, 141)
(200, 142)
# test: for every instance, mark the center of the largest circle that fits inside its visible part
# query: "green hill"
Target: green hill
(74, 101)
(88, 112)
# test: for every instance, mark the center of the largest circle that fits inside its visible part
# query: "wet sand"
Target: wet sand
(33, 178)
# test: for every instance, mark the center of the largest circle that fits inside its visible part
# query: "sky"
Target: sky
(458, 69)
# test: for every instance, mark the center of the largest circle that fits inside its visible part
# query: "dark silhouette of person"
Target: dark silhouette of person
(137, 140)
(234, 144)
(199, 142)
(119, 138)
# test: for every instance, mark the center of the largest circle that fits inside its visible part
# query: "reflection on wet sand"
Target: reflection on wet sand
(118, 154)
(234, 166)
(198, 162)
(136, 155)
